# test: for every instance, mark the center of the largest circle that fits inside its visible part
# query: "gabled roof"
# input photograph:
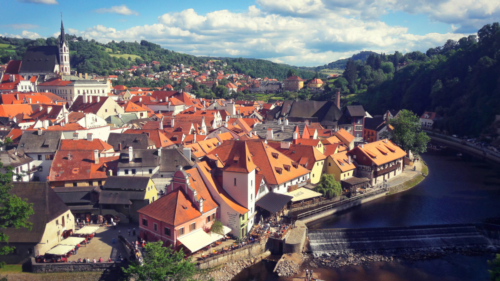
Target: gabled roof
(297, 152)
(356, 110)
(13, 67)
(75, 165)
(32, 142)
(47, 206)
(158, 136)
(95, 144)
(342, 161)
(40, 59)
(380, 152)
(11, 110)
(174, 208)
(95, 103)
(344, 136)
(123, 141)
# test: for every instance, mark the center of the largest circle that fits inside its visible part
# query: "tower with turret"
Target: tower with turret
(64, 67)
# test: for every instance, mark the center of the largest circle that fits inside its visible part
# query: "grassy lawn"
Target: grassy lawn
(11, 268)
(125, 56)
(2, 45)
(331, 71)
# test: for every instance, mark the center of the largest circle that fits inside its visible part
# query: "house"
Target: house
(100, 106)
(170, 161)
(126, 195)
(139, 110)
(231, 88)
(315, 83)
(293, 83)
(307, 156)
(346, 138)
(353, 121)
(139, 162)
(121, 142)
(50, 220)
(41, 146)
(327, 113)
(427, 119)
(378, 161)
(185, 211)
(376, 128)
(340, 165)
(22, 164)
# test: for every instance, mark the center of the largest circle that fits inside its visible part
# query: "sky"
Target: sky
(296, 32)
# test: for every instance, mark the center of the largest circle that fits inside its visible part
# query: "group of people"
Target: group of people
(87, 260)
(309, 275)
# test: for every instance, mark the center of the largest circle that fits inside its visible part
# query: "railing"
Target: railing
(387, 170)
(228, 253)
(338, 203)
(462, 142)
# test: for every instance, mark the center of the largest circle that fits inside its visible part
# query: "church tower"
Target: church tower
(64, 67)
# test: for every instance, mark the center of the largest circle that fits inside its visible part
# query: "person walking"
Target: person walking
(311, 274)
(307, 274)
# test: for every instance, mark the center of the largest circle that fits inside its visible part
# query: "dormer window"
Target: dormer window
(275, 155)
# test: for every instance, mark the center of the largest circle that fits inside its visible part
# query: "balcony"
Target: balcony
(387, 170)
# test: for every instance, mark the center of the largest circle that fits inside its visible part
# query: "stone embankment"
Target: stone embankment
(227, 271)
(336, 260)
(289, 264)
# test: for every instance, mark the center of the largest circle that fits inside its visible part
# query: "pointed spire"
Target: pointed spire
(63, 36)
(305, 133)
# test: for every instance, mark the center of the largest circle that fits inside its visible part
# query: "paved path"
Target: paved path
(102, 245)
(406, 175)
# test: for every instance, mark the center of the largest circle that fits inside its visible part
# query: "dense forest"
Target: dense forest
(340, 64)
(460, 81)
(90, 56)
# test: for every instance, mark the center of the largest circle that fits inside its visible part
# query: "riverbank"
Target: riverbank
(422, 171)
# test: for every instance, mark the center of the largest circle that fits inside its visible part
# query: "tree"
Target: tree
(217, 227)
(350, 72)
(220, 91)
(14, 211)
(328, 186)
(161, 263)
(407, 132)
(290, 73)
(495, 268)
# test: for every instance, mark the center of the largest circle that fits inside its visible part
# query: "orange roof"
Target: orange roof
(342, 161)
(156, 135)
(120, 87)
(55, 82)
(231, 86)
(132, 107)
(79, 165)
(206, 171)
(344, 136)
(316, 81)
(225, 136)
(298, 152)
(85, 145)
(305, 133)
(330, 149)
(331, 140)
(11, 110)
(381, 152)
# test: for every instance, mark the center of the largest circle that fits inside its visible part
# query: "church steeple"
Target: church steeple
(63, 37)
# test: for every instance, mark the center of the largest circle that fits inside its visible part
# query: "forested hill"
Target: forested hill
(460, 81)
(89, 56)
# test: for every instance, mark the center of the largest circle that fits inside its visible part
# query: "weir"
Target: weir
(401, 238)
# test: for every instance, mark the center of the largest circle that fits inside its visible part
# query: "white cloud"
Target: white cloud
(47, 2)
(122, 10)
(20, 26)
(24, 34)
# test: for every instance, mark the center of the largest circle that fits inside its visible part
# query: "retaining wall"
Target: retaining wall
(240, 254)
(296, 239)
(74, 267)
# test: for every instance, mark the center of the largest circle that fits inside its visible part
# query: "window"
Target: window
(208, 219)
(91, 183)
(39, 157)
(329, 164)
(145, 222)
(126, 171)
(133, 171)
(213, 216)
(74, 184)
(155, 226)
(57, 222)
(150, 171)
(47, 157)
(192, 226)
(234, 181)
(358, 127)
(181, 231)
(167, 231)
(105, 110)
(251, 183)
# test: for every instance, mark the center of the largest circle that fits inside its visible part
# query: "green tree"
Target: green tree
(495, 268)
(290, 73)
(217, 227)
(161, 263)
(220, 91)
(328, 186)
(14, 211)
(350, 73)
(407, 132)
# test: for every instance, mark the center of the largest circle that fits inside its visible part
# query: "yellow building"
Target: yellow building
(293, 83)
(315, 83)
(340, 165)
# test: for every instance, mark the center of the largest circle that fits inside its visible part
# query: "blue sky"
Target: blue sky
(298, 32)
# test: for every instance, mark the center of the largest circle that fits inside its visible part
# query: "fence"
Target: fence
(302, 215)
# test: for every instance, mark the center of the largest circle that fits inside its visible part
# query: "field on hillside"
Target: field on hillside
(125, 56)
(331, 71)
(2, 45)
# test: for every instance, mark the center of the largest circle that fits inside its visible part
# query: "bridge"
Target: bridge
(403, 238)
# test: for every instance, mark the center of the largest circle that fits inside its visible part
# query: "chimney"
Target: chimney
(40, 132)
(140, 99)
(75, 136)
(269, 134)
(98, 98)
(130, 154)
(49, 109)
(29, 100)
(45, 124)
(285, 145)
(250, 134)
(279, 121)
(172, 122)
(86, 76)
(84, 97)
(12, 78)
(295, 135)
(159, 152)
(201, 205)
(194, 108)
(80, 75)
(90, 136)
(160, 125)
(110, 173)
(286, 122)
(350, 160)
(337, 99)
(187, 152)
(96, 156)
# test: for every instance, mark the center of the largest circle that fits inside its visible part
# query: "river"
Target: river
(457, 190)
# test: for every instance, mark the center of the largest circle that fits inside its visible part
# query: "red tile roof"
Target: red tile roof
(73, 165)
(85, 145)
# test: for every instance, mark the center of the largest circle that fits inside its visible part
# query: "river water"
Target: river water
(457, 190)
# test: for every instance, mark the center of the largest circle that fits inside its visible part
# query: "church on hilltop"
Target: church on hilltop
(48, 61)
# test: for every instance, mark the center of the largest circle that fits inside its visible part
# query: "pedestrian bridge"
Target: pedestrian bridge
(403, 238)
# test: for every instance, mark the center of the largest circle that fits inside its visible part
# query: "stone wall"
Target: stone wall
(73, 267)
(296, 238)
(240, 254)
